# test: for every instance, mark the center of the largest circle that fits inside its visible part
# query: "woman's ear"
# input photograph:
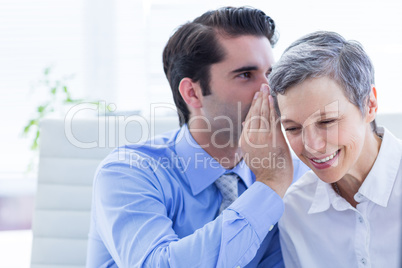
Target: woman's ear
(372, 106)
(190, 92)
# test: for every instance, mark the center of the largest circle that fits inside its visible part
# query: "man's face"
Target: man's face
(233, 82)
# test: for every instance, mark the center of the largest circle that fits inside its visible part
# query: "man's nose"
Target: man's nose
(264, 79)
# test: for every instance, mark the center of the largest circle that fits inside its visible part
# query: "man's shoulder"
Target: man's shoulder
(151, 165)
(151, 150)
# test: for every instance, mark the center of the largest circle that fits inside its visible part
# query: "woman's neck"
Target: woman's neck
(350, 184)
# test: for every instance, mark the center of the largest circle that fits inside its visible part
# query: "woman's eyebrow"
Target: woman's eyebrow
(287, 121)
(327, 114)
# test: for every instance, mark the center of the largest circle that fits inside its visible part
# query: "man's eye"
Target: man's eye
(245, 75)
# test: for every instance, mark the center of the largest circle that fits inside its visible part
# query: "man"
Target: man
(164, 204)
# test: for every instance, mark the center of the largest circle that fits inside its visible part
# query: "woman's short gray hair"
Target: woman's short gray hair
(325, 54)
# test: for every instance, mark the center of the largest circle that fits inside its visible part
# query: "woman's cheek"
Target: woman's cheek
(296, 143)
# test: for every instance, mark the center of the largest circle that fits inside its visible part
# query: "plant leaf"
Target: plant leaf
(35, 143)
(27, 128)
(47, 71)
(41, 109)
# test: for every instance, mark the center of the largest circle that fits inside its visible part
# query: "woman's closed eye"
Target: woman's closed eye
(326, 122)
(292, 129)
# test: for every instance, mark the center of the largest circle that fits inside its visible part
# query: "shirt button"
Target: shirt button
(363, 261)
(271, 227)
(361, 219)
(237, 266)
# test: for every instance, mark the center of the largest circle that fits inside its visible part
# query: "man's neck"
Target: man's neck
(222, 149)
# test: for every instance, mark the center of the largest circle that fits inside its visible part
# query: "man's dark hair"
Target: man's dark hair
(194, 47)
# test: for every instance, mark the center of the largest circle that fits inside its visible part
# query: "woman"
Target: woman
(345, 212)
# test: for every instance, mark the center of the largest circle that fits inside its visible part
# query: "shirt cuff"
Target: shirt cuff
(260, 206)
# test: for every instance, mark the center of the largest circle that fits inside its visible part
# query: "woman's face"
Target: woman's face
(325, 130)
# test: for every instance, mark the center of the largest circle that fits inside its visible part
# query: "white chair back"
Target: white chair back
(69, 155)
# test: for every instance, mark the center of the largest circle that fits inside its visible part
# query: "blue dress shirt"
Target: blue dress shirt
(155, 205)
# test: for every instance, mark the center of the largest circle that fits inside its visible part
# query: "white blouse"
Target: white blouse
(321, 229)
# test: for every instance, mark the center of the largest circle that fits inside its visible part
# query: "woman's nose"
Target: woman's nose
(314, 140)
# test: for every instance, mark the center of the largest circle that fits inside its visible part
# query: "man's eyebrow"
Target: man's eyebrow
(245, 69)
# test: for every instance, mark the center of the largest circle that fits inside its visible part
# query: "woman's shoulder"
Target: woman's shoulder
(308, 182)
(300, 194)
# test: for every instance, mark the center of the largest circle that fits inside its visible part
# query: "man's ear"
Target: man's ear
(190, 92)
(372, 106)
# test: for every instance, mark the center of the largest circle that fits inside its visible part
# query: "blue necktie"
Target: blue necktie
(228, 186)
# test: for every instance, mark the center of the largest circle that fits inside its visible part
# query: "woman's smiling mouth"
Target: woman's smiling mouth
(324, 162)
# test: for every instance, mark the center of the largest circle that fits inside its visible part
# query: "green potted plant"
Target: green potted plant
(58, 96)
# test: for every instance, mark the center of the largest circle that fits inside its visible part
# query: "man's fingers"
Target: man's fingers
(264, 119)
(273, 117)
(249, 111)
(254, 122)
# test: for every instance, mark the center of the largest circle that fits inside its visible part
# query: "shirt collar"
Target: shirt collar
(321, 200)
(244, 173)
(201, 169)
(379, 183)
(324, 197)
(377, 186)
